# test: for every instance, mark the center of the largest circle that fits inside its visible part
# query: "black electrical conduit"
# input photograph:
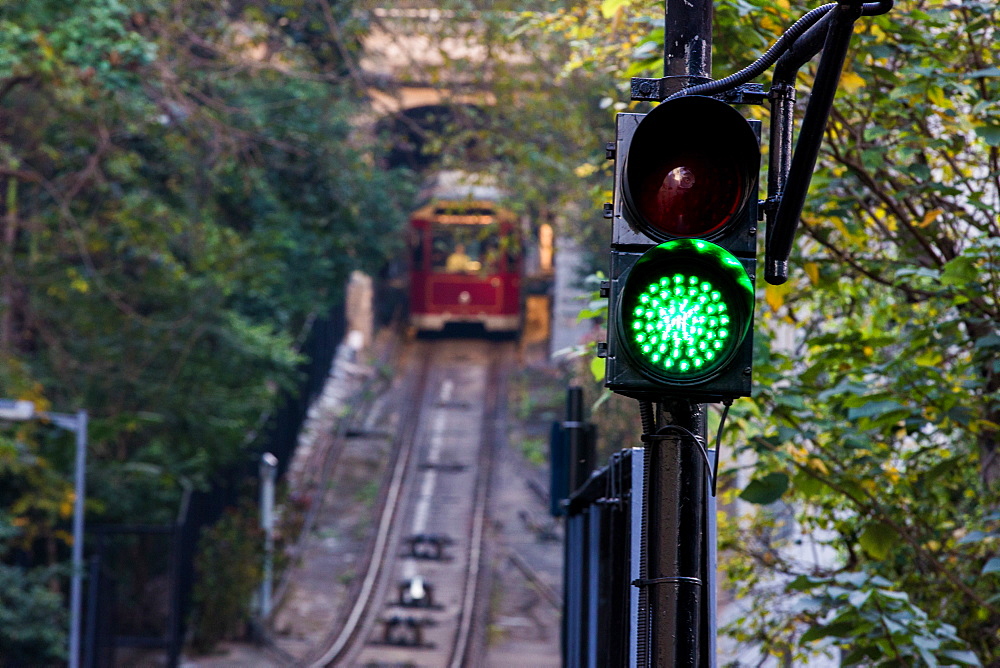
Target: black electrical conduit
(782, 96)
(781, 230)
(828, 27)
(769, 57)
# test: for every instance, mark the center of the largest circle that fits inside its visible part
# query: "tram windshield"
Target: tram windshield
(465, 249)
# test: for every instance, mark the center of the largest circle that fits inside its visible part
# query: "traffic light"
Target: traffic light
(683, 248)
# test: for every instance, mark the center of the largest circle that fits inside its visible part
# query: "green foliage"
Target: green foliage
(873, 625)
(229, 567)
(33, 619)
(875, 425)
(181, 195)
(181, 192)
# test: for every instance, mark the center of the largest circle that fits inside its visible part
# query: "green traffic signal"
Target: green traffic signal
(686, 306)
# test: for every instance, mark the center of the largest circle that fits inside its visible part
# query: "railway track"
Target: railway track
(418, 603)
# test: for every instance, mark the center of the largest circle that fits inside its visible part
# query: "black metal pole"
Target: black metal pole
(781, 231)
(676, 492)
(675, 539)
(581, 449)
(687, 43)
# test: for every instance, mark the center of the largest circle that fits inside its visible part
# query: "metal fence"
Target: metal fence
(602, 559)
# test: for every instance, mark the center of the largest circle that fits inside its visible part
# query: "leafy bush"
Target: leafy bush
(229, 567)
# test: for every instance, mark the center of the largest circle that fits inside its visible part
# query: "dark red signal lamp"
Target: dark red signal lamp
(690, 169)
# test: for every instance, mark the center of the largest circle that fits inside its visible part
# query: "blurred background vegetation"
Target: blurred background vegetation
(181, 190)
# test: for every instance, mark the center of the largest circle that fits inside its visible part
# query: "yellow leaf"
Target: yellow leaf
(931, 358)
(597, 368)
(812, 271)
(851, 82)
(977, 426)
(839, 224)
(610, 7)
(585, 170)
(767, 23)
(930, 217)
(775, 298)
(775, 295)
(936, 96)
(817, 464)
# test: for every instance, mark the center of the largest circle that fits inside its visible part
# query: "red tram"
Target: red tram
(465, 260)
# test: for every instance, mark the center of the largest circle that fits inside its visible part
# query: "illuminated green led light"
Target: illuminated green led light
(685, 309)
(687, 320)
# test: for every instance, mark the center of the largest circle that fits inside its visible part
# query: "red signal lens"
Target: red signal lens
(689, 169)
(691, 194)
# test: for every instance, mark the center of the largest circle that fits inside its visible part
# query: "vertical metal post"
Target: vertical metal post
(580, 457)
(90, 646)
(675, 541)
(268, 472)
(710, 624)
(687, 43)
(674, 580)
(76, 585)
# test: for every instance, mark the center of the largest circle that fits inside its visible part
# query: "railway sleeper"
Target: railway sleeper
(405, 631)
(444, 467)
(428, 546)
(416, 593)
(368, 433)
(442, 403)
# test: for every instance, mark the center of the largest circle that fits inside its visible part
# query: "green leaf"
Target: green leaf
(962, 270)
(992, 566)
(990, 134)
(808, 485)
(765, 490)
(973, 537)
(838, 629)
(980, 74)
(878, 540)
(988, 341)
(874, 409)
(962, 656)
(859, 598)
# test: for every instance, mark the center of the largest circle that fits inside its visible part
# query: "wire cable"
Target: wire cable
(712, 466)
(785, 42)
(659, 436)
(768, 58)
(718, 446)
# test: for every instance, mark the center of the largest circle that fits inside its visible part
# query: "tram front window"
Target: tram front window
(465, 250)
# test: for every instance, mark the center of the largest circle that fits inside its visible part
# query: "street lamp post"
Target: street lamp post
(268, 473)
(20, 411)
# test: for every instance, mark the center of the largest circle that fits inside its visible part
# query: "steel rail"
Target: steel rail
(495, 385)
(363, 601)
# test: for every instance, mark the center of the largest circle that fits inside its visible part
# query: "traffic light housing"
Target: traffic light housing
(681, 289)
